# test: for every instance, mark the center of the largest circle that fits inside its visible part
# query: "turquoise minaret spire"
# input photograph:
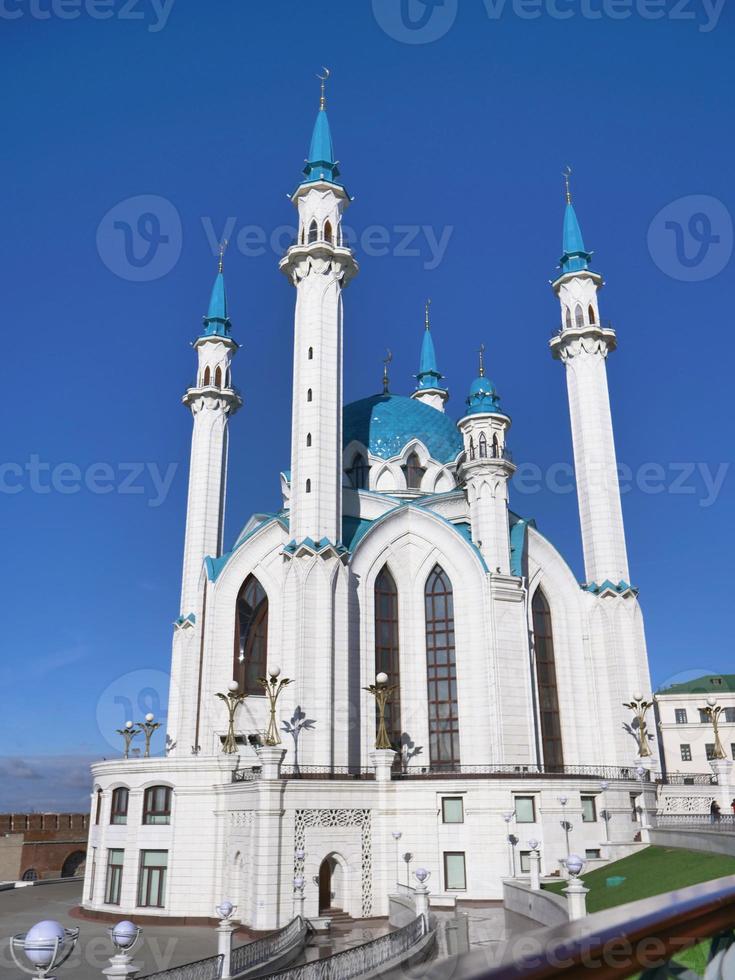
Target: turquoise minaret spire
(321, 164)
(216, 322)
(574, 257)
(430, 387)
(483, 396)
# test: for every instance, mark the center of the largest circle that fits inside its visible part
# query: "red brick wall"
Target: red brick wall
(50, 839)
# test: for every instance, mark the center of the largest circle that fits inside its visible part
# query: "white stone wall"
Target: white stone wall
(694, 733)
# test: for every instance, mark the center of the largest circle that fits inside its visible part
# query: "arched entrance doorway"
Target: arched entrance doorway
(73, 867)
(332, 884)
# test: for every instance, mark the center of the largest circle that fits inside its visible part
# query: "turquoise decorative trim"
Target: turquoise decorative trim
(622, 587)
(518, 542)
(189, 618)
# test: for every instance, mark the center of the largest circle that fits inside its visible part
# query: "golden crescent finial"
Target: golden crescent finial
(566, 175)
(323, 80)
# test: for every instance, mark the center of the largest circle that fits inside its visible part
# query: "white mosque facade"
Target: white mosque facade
(395, 551)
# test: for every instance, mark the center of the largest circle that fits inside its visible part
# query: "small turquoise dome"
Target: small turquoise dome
(387, 423)
(482, 397)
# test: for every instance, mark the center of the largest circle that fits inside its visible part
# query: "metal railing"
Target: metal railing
(521, 771)
(689, 779)
(697, 821)
(246, 775)
(206, 969)
(262, 950)
(491, 452)
(327, 772)
(640, 937)
(602, 325)
(362, 959)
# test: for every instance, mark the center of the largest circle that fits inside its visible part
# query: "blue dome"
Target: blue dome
(482, 397)
(386, 423)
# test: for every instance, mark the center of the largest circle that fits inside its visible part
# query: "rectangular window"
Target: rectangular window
(152, 879)
(525, 807)
(592, 853)
(454, 871)
(98, 807)
(452, 809)
(703, 717)
(92, 873)
(686, 753)
(729, 714)
(119, 808)
(115, 859)
(709, 748)
(157, 805)
(681, 716)
(589, 809)
(525, 857)
(732, 749)
(634, 807)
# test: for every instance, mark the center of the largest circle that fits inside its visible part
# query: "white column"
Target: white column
(576, 899)
(534, 860)
(583, 348)
(225, 929)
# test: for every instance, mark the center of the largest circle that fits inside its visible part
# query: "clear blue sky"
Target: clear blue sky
(467, 134)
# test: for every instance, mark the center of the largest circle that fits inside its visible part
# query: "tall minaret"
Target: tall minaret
(319, 265)
(430, 389)
(212, 400)
(485, 470)
(583, 344)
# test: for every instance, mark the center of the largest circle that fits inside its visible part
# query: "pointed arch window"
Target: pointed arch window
(548, 697)
(441, 671)
(309, 395)
(311, 354)
(483, 446)
(496, 448)
(414, 472)
(218, 378)
(578, 316)
(308, 440)
(472, 448)
(251, 636)
(567, 318)
(387, 650)
(207, 376)
(313, 232)
(308, 486)
(359, 472)
(591, 313)
(328, 232)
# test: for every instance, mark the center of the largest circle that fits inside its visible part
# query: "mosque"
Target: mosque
(395, 552)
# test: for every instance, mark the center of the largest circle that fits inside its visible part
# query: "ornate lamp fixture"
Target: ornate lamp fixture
(148, 727)
(129, 732)
(273, 688)
(713, 710)
(381, 691)
(639, 706)
(46, 946)
(233, 699)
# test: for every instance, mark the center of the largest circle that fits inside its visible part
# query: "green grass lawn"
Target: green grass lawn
(652, 871)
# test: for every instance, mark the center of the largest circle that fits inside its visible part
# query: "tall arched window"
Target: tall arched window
(311, 353)
(359, 472)
(309, 395)
(308, 439)
(313, 232)
(328, 232)
(578, 316)
(207, 376)
(386, 649)
(472, 448)
(483, 446)
(251, 636)
(218, 378)
(414, 472)
(591, 312)
(548, 699)
(308, 486)
(567, 318)
(441, 671)
(496, 447)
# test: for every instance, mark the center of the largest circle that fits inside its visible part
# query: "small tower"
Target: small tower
(319, 265)
(212, 401)
(582, 345)
(485, 469)
(430, 389)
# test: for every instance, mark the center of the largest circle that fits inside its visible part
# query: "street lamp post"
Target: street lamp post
(508, 817)
(124, 937)
(273, 688)
(639, 706)
(575, 891)
(225, 910)
(397, 834)
(534, 860)
(148, 728)
(604, 813)
(129, 732)
(712, 711)
(566, 826)
(381, 691)
(233, 699)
